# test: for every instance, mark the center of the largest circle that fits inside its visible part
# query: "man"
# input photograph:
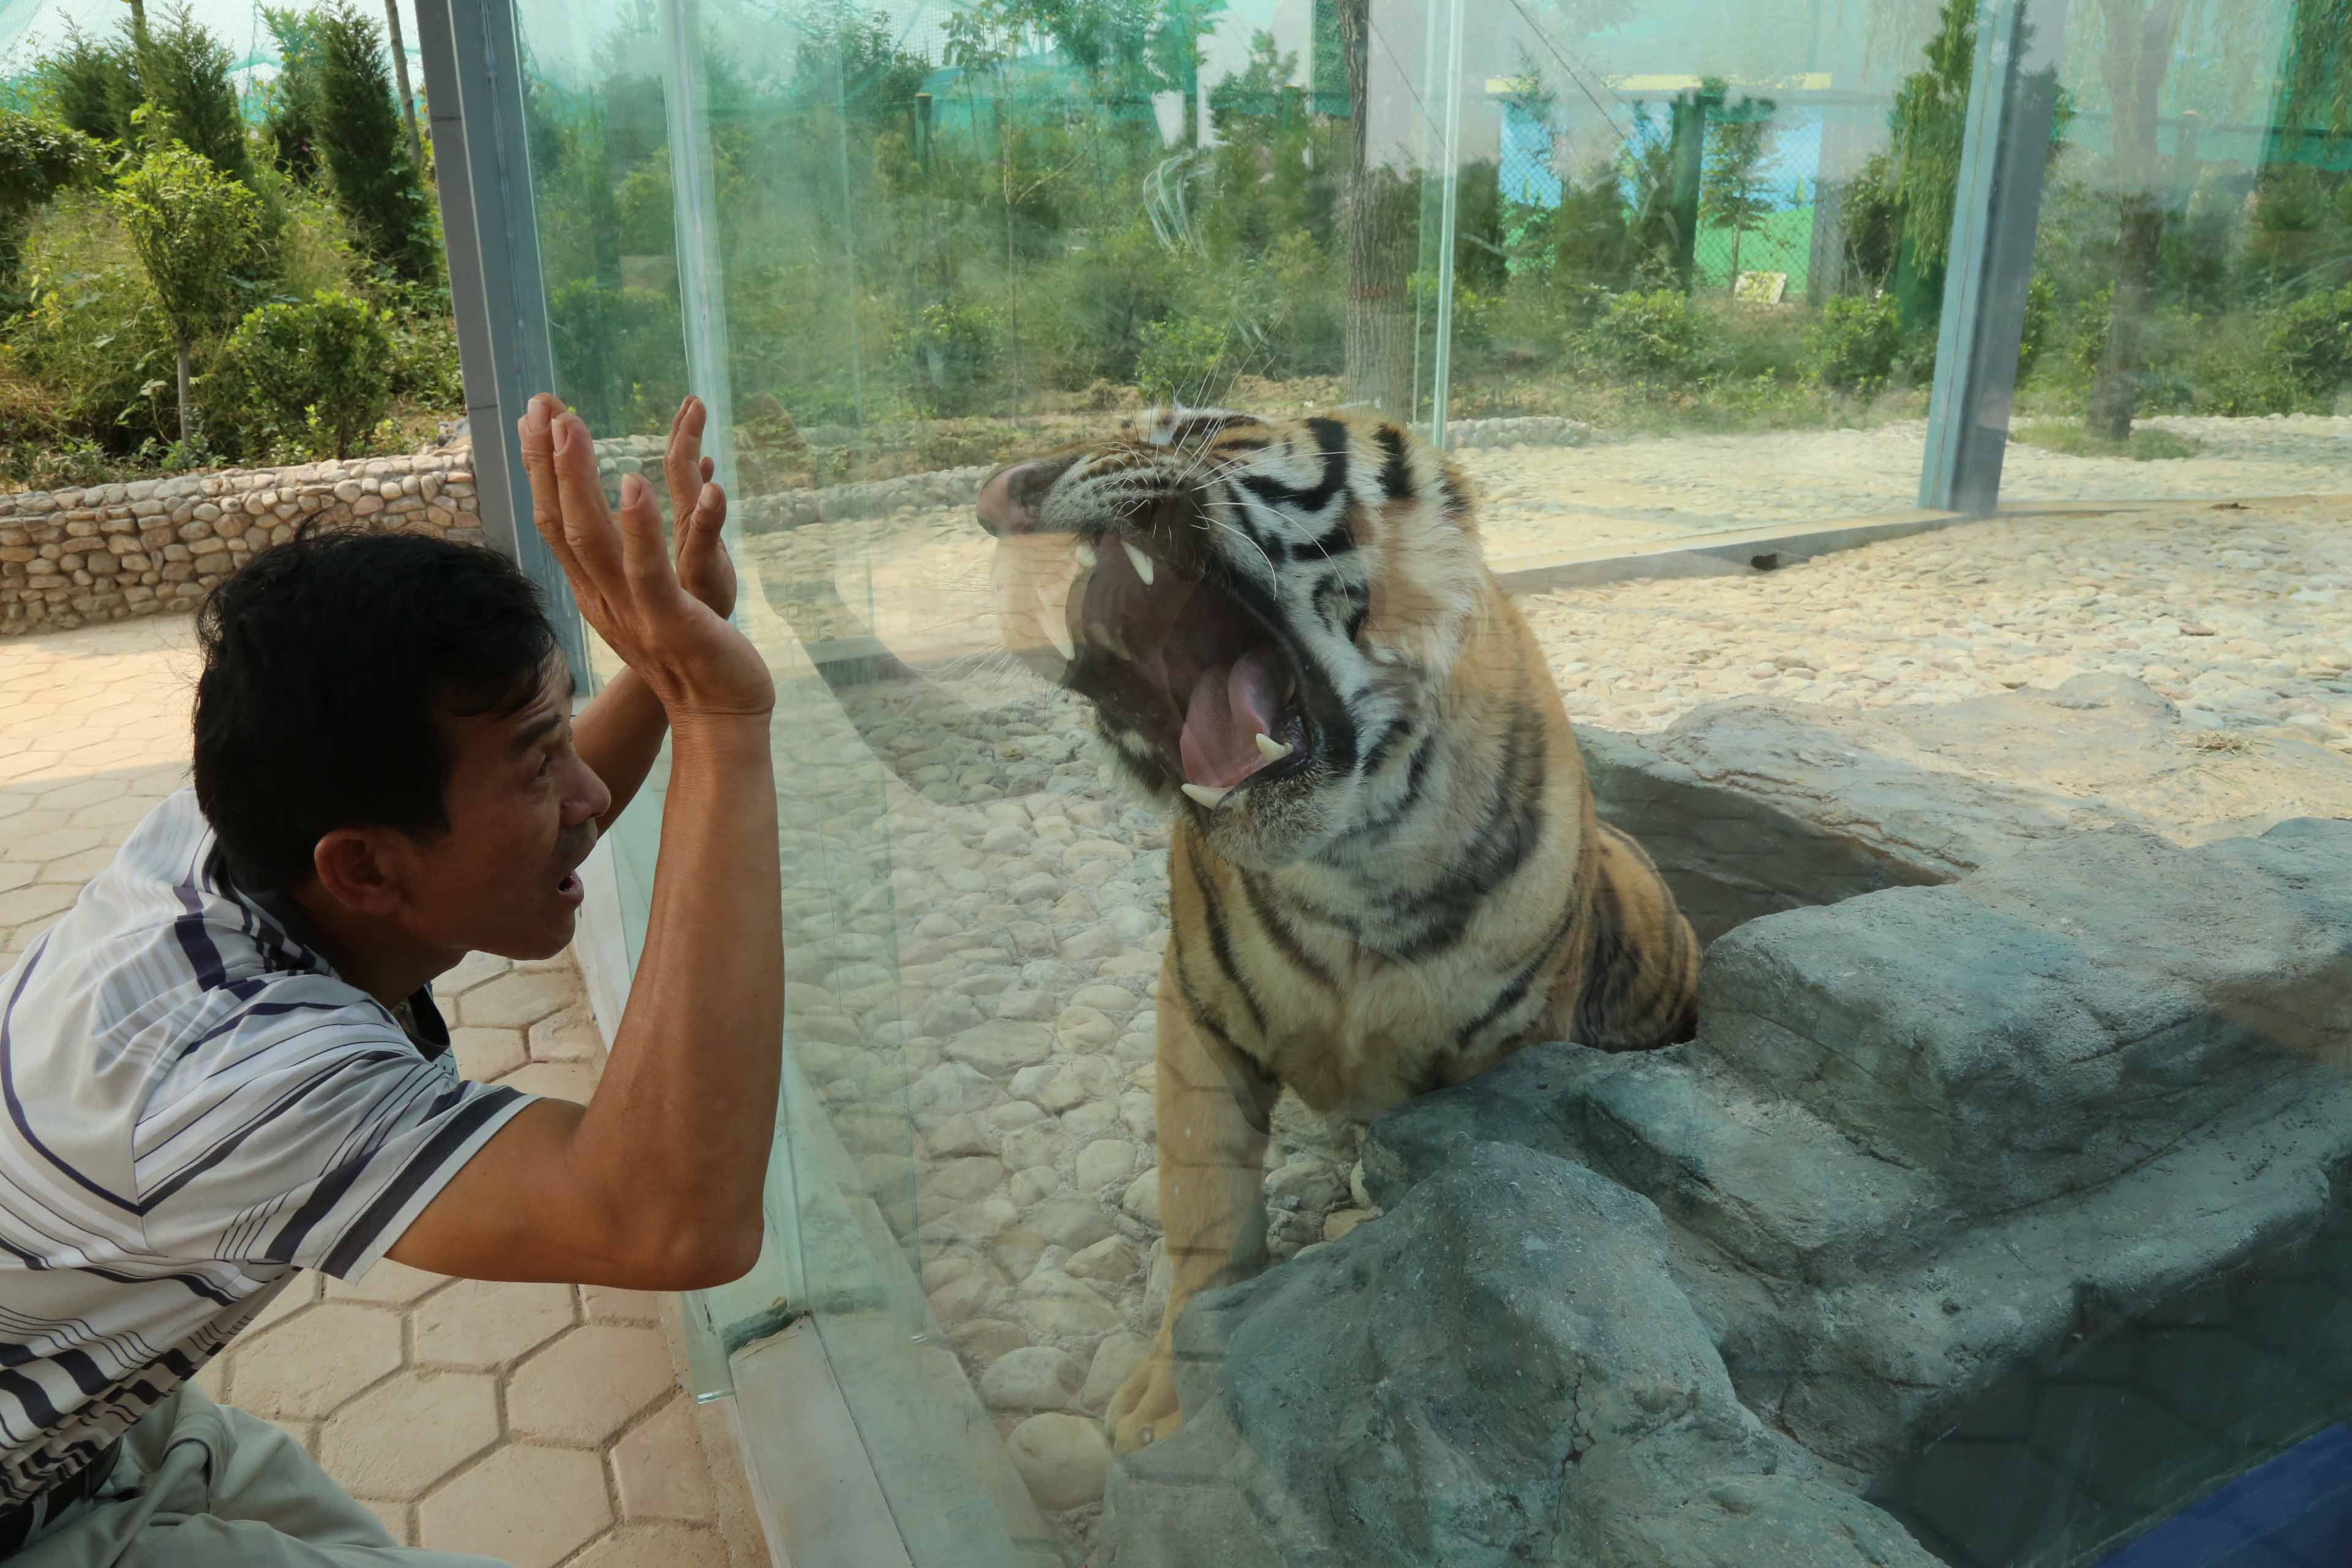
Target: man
(224, 1064)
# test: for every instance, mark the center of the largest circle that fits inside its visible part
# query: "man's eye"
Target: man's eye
(546, 763)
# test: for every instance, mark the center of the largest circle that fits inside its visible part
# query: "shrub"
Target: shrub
(1854, 344)
(423, 334)
(951, 352)
(614, 349)
(93, 336)
(1179, 360)
(37, 159)
(318, 372)
(2314, 339)
(1656, 335)
(2040, 299)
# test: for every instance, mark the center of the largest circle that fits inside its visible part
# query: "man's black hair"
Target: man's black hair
(326, 661)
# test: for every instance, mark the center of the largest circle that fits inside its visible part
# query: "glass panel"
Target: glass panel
(2190, 270)
(600, 92)
(1995, 1200)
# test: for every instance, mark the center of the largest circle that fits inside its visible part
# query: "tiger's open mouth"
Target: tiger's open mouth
(1187, 677)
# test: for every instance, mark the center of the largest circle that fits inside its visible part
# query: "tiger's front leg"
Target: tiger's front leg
(1212, 1105)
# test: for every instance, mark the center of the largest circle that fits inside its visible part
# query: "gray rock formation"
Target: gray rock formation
(1500, 1371)
(1928, 1136)
(1754, 807)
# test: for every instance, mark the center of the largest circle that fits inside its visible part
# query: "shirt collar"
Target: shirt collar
(300, 944)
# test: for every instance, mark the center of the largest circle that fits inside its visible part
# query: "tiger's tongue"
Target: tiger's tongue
(1231, 706)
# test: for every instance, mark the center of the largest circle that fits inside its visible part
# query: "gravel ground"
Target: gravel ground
(1026, 898)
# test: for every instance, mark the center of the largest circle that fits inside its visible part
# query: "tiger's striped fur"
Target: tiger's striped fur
(1416, 885)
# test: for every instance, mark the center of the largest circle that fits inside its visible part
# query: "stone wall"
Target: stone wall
(69, 558)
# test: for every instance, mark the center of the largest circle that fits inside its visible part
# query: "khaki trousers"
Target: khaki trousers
(202, 1485)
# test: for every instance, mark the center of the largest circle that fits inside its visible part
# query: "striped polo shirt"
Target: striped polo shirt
(195, 1107)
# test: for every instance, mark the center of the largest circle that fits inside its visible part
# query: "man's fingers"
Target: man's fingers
(682, 464)
(642, 555)
(538, 467)
(585, 523)
(711, 507)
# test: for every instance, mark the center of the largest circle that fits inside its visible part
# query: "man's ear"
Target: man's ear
(360, 869)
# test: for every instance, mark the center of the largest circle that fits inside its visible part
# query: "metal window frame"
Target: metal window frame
(474, 90)
(2004, 155)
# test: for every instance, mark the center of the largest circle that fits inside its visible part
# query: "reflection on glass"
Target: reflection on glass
(1190, 873)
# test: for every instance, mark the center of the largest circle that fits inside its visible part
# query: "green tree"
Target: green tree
(290, 108)
(192, 229)
(362, 143)
(181, 71)
(150, 84)
(1735, 194)
(88, 84)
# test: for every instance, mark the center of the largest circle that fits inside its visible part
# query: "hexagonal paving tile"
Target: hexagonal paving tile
(115, 816)
(569, 1036)
(525, 1505)
(76, 869)
(657, 1467)
(586, 1385)
(471, 971)
(609, 1304)
(301, 1290)
(574, 1081)
(57, 843)
(402, 1435)
(657, 1546)
(313, 1362)
(393, 1284)
(479, 1324)
(395, 1518)
(486, 1054)
(38, 902)
(513, 1000)
(84, 792)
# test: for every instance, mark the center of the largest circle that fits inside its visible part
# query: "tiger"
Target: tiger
(1386, 873)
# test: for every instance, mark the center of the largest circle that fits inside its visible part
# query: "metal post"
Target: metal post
(1442, 378)
(2004, 153)
(473, 85)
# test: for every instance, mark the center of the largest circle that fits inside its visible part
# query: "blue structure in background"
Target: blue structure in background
(2293, 1512)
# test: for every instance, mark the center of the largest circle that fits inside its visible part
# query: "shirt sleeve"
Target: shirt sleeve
(313, 1142)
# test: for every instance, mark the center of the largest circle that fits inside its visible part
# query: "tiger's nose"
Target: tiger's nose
(1009, 499)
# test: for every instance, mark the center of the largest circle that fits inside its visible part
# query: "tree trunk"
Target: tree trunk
(1379, 368)
(187, 424)
(400, 75)
(2138, 54)
(1736, 234)
(1688, 133)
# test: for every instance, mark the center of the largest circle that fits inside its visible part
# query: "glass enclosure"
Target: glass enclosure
(1994, 1215)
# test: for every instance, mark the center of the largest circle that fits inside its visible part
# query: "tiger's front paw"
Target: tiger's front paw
(1145, 1410)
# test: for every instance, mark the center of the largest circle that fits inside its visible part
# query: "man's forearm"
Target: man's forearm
(619, 734)
(686, 1112)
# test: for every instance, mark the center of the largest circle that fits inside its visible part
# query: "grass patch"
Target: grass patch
(2142, 446)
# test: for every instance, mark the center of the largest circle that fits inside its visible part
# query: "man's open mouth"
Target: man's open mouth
(569, 884)
(1183, 669)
